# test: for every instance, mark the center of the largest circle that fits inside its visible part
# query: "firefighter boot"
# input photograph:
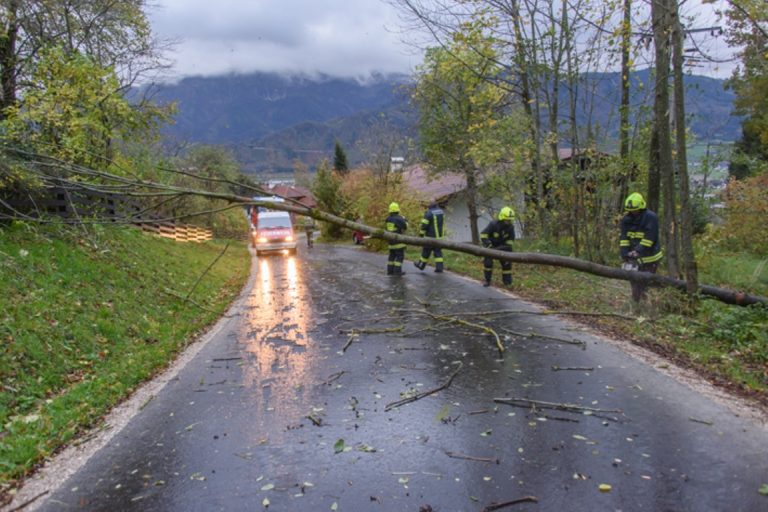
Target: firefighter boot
(439, 266)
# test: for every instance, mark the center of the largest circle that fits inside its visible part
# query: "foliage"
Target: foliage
(745, 214)
(330, 198)
(748, 31)
(466, 122)
(76, 112)
(86, 316)
(371, 194)
(210, 169)
(113, 35)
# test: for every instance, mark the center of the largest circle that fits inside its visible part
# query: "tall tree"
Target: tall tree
(74, 111)
(114, 34)
(748, 31)
(464, 123)
(681, 155)
(661, 14)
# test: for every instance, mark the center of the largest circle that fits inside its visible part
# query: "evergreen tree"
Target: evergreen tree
(340, 159)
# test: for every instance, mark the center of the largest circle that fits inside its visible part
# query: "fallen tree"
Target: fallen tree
(52, 172)
(734, 297)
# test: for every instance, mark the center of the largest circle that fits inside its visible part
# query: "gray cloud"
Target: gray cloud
(337, 37)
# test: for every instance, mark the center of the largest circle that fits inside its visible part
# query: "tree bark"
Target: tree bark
(626, 35)
(8, 64)
(686, 221)
(662, 26)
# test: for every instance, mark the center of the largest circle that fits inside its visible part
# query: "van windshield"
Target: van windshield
(274, 222)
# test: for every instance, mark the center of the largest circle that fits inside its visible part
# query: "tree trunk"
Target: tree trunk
(661, 34)
(626, 34)
(527, 99)
(724, 295)
(686, 221)
(654, 177)
(8, 64)
(472, 205)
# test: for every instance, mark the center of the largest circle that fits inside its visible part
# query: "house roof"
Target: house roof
(299, 194)
(433, 188)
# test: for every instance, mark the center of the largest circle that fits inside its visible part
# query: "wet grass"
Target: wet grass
(726, 344)
(85, 317)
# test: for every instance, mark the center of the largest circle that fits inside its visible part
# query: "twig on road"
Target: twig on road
(499, 506)
(29, 501)
(419, 396)
(527, 403)
(455, 455)
(556, 368)
(459, 321)
(352, 337)
(334, 377)
(548, 312)
(580, 343)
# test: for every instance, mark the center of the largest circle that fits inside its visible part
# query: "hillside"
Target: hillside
(270, 120)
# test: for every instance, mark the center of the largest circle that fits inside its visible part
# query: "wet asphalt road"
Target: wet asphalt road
(257, 417)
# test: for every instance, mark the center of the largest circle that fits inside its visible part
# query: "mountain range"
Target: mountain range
(271, 121)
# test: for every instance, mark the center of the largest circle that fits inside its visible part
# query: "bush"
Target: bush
(371, 197)
(746, 211)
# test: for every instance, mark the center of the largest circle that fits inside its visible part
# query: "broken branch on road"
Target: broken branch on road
(459, 321)
(499, 506)
(533, 404)
(456, 455)
(419, 396)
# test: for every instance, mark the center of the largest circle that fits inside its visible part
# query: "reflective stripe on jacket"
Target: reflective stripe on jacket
(432, 223)
(397, 224)
(498, 234)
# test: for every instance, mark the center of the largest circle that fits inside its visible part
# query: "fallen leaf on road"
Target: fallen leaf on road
(605, 487)
(338, 447)
(763, 490)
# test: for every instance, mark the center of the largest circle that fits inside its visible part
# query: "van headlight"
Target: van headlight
(262, 240)
(289, 238)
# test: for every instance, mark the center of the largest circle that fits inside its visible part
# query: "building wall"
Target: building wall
(457, 217)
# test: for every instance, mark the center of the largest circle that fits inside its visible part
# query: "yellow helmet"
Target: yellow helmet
(634, 202)
(394, 208)
(507, 213)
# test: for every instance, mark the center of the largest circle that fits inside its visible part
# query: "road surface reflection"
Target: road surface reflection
(280, 316)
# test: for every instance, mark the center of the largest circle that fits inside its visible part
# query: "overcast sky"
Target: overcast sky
(350, 38)
(338, 37)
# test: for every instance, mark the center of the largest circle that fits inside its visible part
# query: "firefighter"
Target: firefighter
(432, 226)
(397, 224)
(309, 230)
(499, 234)
(639, 240)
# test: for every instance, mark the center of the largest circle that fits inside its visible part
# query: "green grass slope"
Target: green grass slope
(86, 316)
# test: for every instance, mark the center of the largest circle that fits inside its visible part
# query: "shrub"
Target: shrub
(746, 211)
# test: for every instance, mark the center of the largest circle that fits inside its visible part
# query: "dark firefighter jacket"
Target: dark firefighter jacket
(498, 235)
(641, 233)
(397, 224)
(432, 223)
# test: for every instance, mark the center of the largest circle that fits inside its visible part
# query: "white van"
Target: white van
(272, 232)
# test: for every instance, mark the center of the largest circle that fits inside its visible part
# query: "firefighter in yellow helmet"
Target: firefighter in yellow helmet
(395, 223)
(639, 241)
(499, 234)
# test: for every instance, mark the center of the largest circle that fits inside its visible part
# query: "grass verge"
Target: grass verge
(85, 317)
(728, 345)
